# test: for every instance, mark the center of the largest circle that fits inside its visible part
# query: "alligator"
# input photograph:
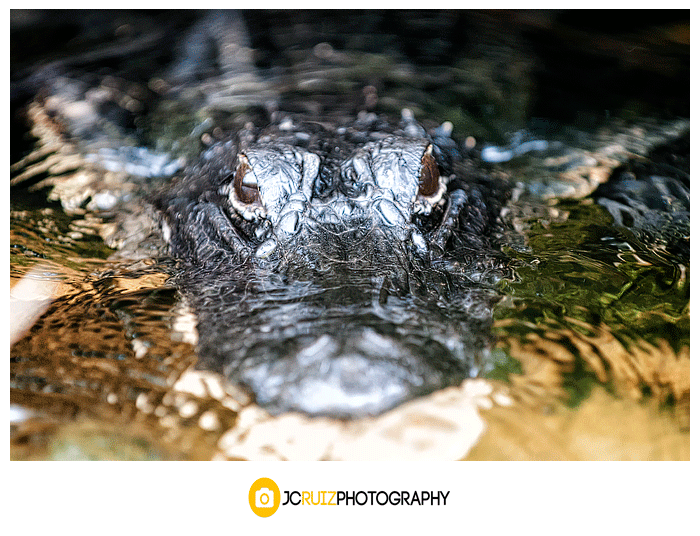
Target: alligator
(338, 271)
(335, 267)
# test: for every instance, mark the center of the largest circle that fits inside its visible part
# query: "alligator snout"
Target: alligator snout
(361, 372)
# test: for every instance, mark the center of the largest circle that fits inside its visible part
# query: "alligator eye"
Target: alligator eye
(244, 183)
(429, 174)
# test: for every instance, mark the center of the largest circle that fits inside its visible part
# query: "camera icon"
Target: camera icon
(264, 498)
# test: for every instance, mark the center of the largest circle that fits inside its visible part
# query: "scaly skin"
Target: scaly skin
(338, 271)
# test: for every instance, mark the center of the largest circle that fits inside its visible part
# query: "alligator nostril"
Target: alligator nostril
(322, 348)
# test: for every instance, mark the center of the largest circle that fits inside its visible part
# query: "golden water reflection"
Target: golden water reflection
(603, 427)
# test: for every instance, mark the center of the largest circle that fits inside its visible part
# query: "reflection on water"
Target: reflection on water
(592, 334)
(600, 321)
(107, 356)
(591, 303)
(603, 427)
(592, 358)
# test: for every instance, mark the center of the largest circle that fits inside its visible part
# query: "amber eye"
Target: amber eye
(244, 183)
(429, 174)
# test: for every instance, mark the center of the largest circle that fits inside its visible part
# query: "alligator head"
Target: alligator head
(337, 271)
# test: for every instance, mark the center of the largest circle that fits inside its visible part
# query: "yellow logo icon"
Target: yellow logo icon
(264, 497)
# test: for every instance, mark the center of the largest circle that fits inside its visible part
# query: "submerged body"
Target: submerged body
(338, 271)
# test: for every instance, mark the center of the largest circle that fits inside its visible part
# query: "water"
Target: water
(590, 319)
(591, 334)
